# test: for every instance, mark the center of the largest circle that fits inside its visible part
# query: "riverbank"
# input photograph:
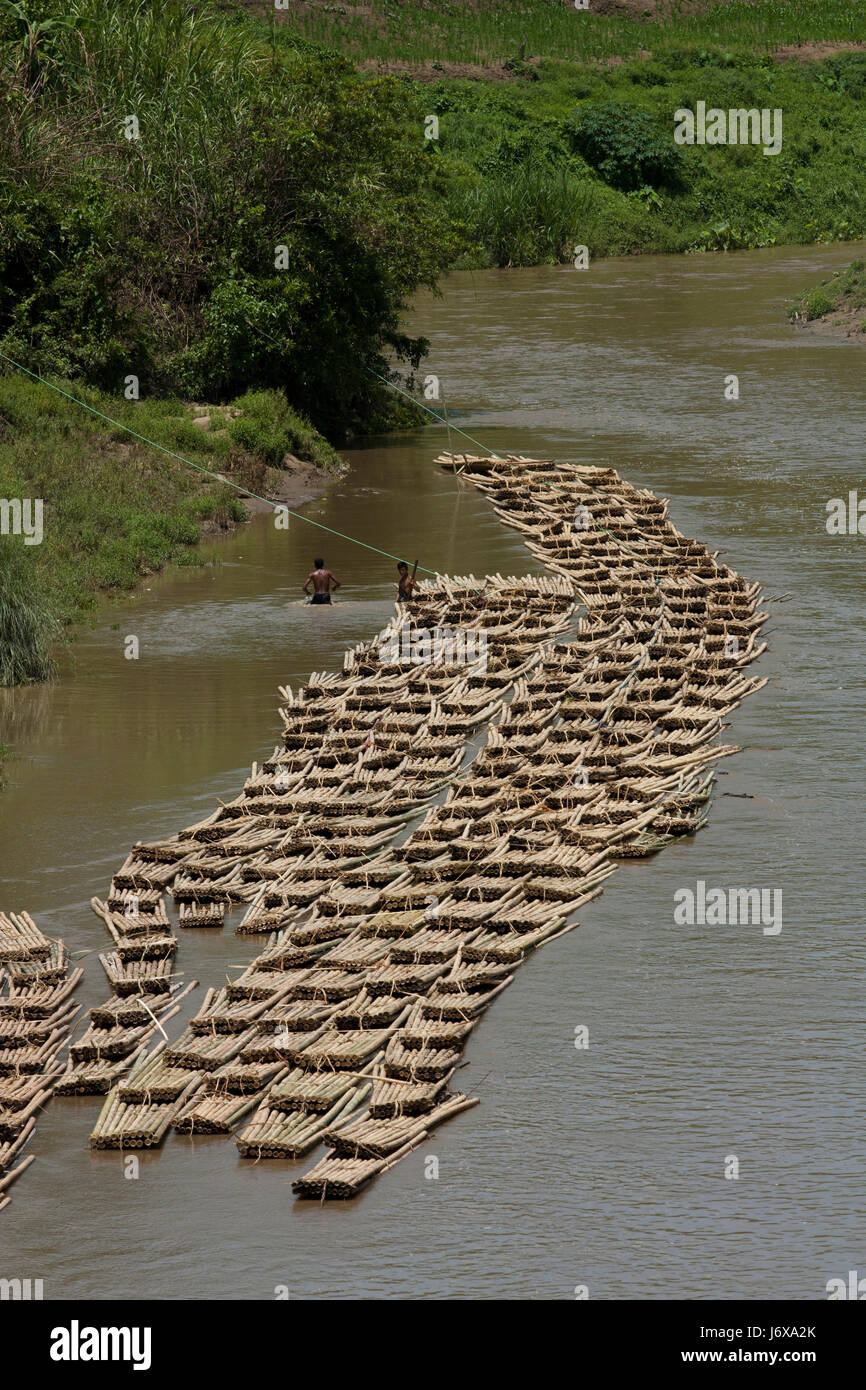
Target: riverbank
(97, 508)
(837, 307)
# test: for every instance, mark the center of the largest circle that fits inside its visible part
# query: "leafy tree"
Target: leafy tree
(158, 255)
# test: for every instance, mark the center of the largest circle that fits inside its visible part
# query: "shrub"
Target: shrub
(816, 304)
(628, 147)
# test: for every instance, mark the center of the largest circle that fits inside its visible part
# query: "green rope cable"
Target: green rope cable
(119, 424)
(201, 469)
(394, 387)
(441, 418)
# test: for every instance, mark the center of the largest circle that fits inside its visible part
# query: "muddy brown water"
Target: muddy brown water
(603, 1166)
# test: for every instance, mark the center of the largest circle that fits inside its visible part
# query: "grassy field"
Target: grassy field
(487, 32)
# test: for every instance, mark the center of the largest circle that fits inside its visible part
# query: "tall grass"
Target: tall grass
(844, 290)
(526, 216)
(27, 623)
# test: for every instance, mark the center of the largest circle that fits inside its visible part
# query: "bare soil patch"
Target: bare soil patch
(297, 482)
(839, 323)
(814, 52)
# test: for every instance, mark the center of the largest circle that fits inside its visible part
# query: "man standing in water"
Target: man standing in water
(321, 580)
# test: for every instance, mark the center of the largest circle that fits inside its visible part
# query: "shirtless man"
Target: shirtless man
(321, 580)
(406, 583)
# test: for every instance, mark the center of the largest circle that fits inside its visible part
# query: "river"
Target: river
(602, 1167)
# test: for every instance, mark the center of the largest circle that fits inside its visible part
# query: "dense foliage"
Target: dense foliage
(626, 146)
(27, 625)
(183, 202)
(603, 137)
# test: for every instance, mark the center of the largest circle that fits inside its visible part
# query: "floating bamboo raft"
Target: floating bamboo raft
(36, 1014)
(601, 693)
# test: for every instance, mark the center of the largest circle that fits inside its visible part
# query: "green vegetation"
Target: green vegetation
(607, 135)
(235, 204)
(573, 140)
(27, 625)
(844, 294)
(221, 218)
(493, 31)
(116, 510)
(185, 201)
(626, 147)
(280, 203)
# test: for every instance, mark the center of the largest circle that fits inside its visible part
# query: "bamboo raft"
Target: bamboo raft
(604, 688)
(36, 1014)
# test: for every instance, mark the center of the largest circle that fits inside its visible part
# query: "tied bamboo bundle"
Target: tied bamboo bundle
(14, 1119)
(355, 953)
(455, 1006)
(338, 1179)
(279, 1045)
(342, 1050)
(10, 1148)
(419, 1064)
(371, 1138)
(38, 1000)
(40, 968)
(291, 1134)
(155, 1080)
(430, 947)
(220, 1014)
(18, 1031)
(144, 977)
(238, 1078)
(145, 947)
(314, 1093)
(20, 938)
(193, 914)
(206, 1052)
(94, 1078)
(404, 979)
(255, 983)
(133, 1011)
(392, 1097)
(16, 1092)
(369, 1011)
(136, 1126)
(213, 1114)
(109, 1044)
(423, 1033)
(331, 986)
(146, 900)
(294, 1015)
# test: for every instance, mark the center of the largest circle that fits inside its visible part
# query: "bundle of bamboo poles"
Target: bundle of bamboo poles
(290, 1134)
(371, 1138)
(136, 1126)
(20, 938)
(36, 1014)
